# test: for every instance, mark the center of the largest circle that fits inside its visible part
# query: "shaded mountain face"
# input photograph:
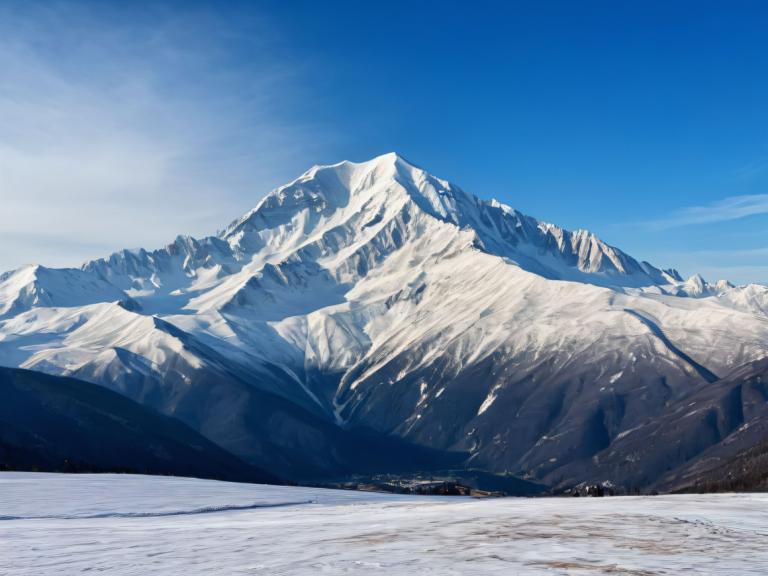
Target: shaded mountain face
(745, 472)
(49, 423)
(735, 414)
(678, 447)
(375, 301)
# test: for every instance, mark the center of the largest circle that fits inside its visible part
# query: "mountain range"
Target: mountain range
(370, 317)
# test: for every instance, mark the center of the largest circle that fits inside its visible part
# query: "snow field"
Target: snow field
(121, 524)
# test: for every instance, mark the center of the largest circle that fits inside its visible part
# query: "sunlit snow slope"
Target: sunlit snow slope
(376, 296)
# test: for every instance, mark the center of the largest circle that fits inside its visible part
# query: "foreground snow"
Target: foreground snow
(122, 524)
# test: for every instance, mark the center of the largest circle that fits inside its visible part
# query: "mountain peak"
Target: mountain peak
(383, 164)
(337, 208)
(329, 198)
(386, 159)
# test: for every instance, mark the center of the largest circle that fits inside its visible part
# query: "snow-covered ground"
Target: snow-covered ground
(121, 524)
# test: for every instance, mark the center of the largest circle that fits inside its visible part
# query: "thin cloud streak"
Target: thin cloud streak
(731, 254)
(731, 208)
(737, 265)
(752, 170)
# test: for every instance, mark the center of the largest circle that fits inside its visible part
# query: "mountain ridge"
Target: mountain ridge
(48, 423)
(375, 295)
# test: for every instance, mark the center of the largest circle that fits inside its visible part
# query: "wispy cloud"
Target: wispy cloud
(748, 254)
(752, 170)
(738, 265)
(745, 274)
(731, 208)
(126, 128)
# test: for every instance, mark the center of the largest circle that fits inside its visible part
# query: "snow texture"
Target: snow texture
(123, 524)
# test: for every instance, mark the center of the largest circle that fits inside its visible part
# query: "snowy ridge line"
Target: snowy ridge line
(203, 510)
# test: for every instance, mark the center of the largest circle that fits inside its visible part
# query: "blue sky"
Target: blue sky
(645, 122)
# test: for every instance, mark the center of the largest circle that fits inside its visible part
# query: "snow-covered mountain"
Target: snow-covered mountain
(374, 296)
(37, 286)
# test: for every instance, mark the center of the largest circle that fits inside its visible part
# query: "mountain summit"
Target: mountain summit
(375, 303)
